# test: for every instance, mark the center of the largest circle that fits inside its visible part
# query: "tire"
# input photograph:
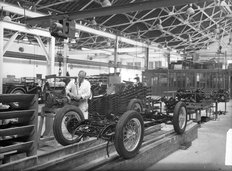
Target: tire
(124, 125)
(67, 119)
(17, 105)
(135, 104)
(180, 118)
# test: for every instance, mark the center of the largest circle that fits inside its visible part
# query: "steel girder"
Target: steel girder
(199, 33)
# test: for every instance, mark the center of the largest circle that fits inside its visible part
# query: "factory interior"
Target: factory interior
(115, 85)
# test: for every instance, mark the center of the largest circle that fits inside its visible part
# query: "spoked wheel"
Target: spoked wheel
(180, 118)
(17, 105)
(66, 121)
(135, 104)
(129, 134)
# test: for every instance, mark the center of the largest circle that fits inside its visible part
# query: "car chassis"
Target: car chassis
(119, 118)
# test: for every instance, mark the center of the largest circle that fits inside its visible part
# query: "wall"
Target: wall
(90, 70)
(29, 68)
(23, 68)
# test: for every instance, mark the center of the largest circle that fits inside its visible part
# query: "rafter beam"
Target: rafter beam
(86, 5)
(180, 11)
(17, 10)
(139, 6)
(21, 28)
(191, 26)
(38, 2)
(139, 21)
(211, 18)
(164, 31)
(107, 51)
(41, 44)
(53, 4)
(108, 35)
(136, 20)
(12, 39)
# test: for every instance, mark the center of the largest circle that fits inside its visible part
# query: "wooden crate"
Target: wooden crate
(18, 127)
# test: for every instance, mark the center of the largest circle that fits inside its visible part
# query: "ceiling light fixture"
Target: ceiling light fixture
(159, 25)
(165, 43)
(105, 3)
(172, 12)
(93, 22)
(139, 36)
(223, 3)
(190, 39)
(190, 10)
(108, 43)
(225, 7)
(77, 35)
(25, 39)
(7, 18)
(103, 28)
(217, 30)
(73, 41)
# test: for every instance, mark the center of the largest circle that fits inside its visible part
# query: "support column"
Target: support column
(146, 62)
(50, 70)
(66, 54)
(229, 84)
(198, 116)
(115, 55)
(168, 58)
(1, 56)
(51, 62)
(168, 62)
(216, 111)
(226, 63)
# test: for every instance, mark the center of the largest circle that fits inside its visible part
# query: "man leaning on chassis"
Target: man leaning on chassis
(80, 91)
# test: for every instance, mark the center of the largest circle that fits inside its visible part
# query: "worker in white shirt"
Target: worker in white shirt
(80, 91)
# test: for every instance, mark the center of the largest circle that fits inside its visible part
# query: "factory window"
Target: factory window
(171, 80)
(150, 65)
(214, 80)
(154, 81)
(138, 64)
(220, 80)
(208, 79)
(163, 79)
(157, 64)
(200, 80)
(130, 63)
(191, 77)
(174, 80)
(180, 80)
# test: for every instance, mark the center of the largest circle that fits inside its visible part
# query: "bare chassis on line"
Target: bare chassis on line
(119, 117)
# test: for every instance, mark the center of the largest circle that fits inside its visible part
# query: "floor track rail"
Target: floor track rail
(157, 144)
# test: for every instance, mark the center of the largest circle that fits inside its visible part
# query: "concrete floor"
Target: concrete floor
(207, 151)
